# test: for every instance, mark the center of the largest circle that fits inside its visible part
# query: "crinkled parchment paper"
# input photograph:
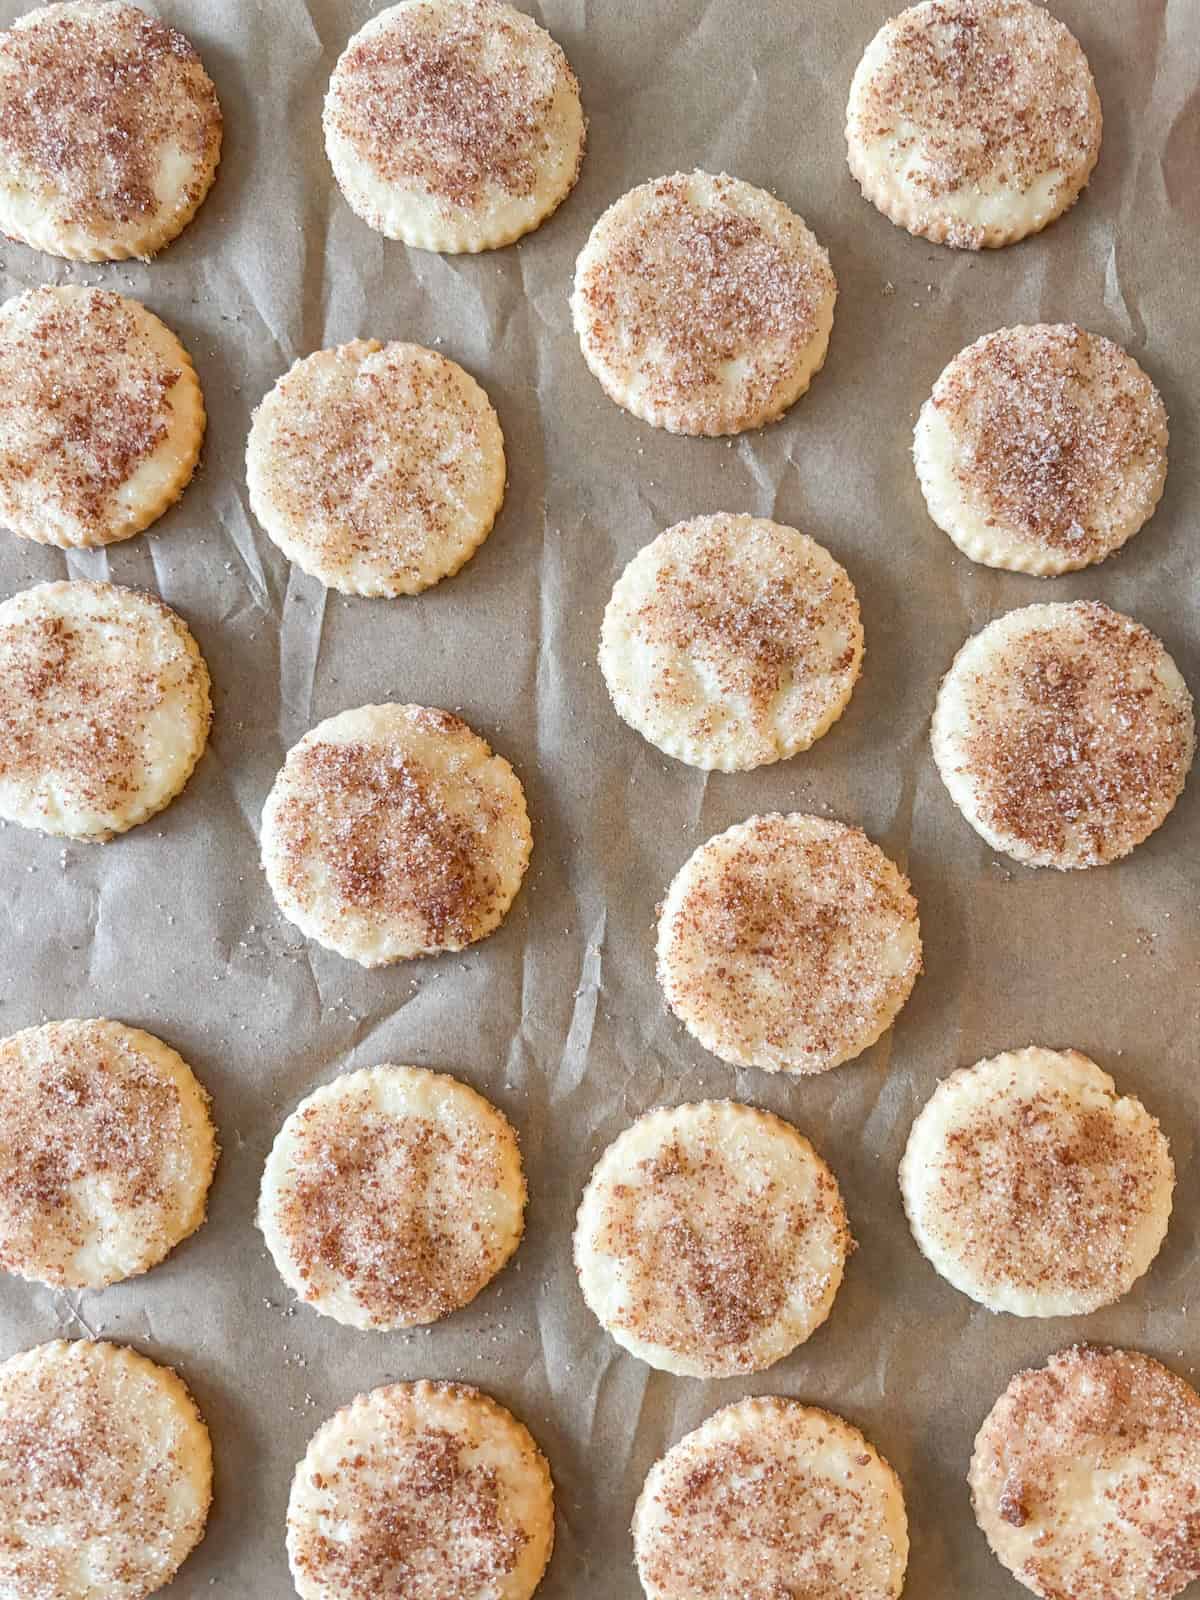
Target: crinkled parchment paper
(557, 1017)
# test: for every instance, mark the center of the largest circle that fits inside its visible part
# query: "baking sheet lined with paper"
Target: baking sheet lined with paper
(557, 1017)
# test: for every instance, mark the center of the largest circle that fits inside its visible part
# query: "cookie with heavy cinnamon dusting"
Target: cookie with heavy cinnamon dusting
(110, 131)
(393, 831)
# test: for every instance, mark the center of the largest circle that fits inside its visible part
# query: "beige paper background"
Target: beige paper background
(557, 1017)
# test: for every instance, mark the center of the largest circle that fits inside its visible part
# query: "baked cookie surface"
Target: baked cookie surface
(711, 1239)
(1041, 449)
(101, 417)
(702, 304)
(1064, 734)
(424, 1490)
(104, 708)
(393, 831)
(378, 469)
(973, 122)
(454, 125)
(392, 1196)
(731, 642)
(105, 1473)
(110, 131)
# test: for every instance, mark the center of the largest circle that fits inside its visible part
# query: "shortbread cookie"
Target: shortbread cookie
(1033, 1188)
(1064, 734)
(393, 831)
(105, 1473)
(711, 1239)
(422, 1490)
(101, 416)
(732, 641)
(1041, 449)
(703, 305)
(104, 708)
(770, 1497)
(106, 1152)
(110, 131)
(789, 943)
(392, 1196)
(377, 468)
(454, 124)
(1084, 1478)
(973, 122)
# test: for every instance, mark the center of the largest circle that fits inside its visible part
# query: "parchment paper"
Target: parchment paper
(558, 1017)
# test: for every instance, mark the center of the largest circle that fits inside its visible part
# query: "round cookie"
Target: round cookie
(101, 416)
(1084, 1478)
(973, 122)
(771, 1497)
(107, 1151)
(378, 469)
(105, 1473)
(392, 1196)
(454, 125)
(711, 1239)
(731, 642)
(1041, 449)
(104, 708)
(393, 831)
(702, 304)
(1064, 734)
(788, 943)
(424, 1490)
(1033, 1188)
(110, 131)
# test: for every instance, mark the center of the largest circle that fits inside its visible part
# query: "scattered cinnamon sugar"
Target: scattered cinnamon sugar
(93, 100)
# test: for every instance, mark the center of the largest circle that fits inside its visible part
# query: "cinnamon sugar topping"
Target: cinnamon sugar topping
(454, 124)
(1065, 733)
(429, 1490)
(105, 1473)
(1055, 439)
(702, 304)
(106, 1152)
(1033, 1187)
(711, 1239)
(393, 831)
(378, 468)
(788, 942)
(110, 131)
(100, 416)
(771, 1498)
(973, 122)
(1086, 1478)
(392, 1197)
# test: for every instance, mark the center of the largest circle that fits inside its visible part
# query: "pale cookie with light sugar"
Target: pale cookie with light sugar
(702, 304)
(104, 708)
(1033, 1187)
(1084, 1478)
(973, 122)
(105, 1473)
(771, 1497)
(1064, 734)
(454, 125)
(789, 943)
(392, 1196)
(110, 131)
(101, 416)
(393, 831)
(711, 1239)
(1041, 449)
(107, 1151)
(377, 468)
(731, 641)
(424, 1490)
